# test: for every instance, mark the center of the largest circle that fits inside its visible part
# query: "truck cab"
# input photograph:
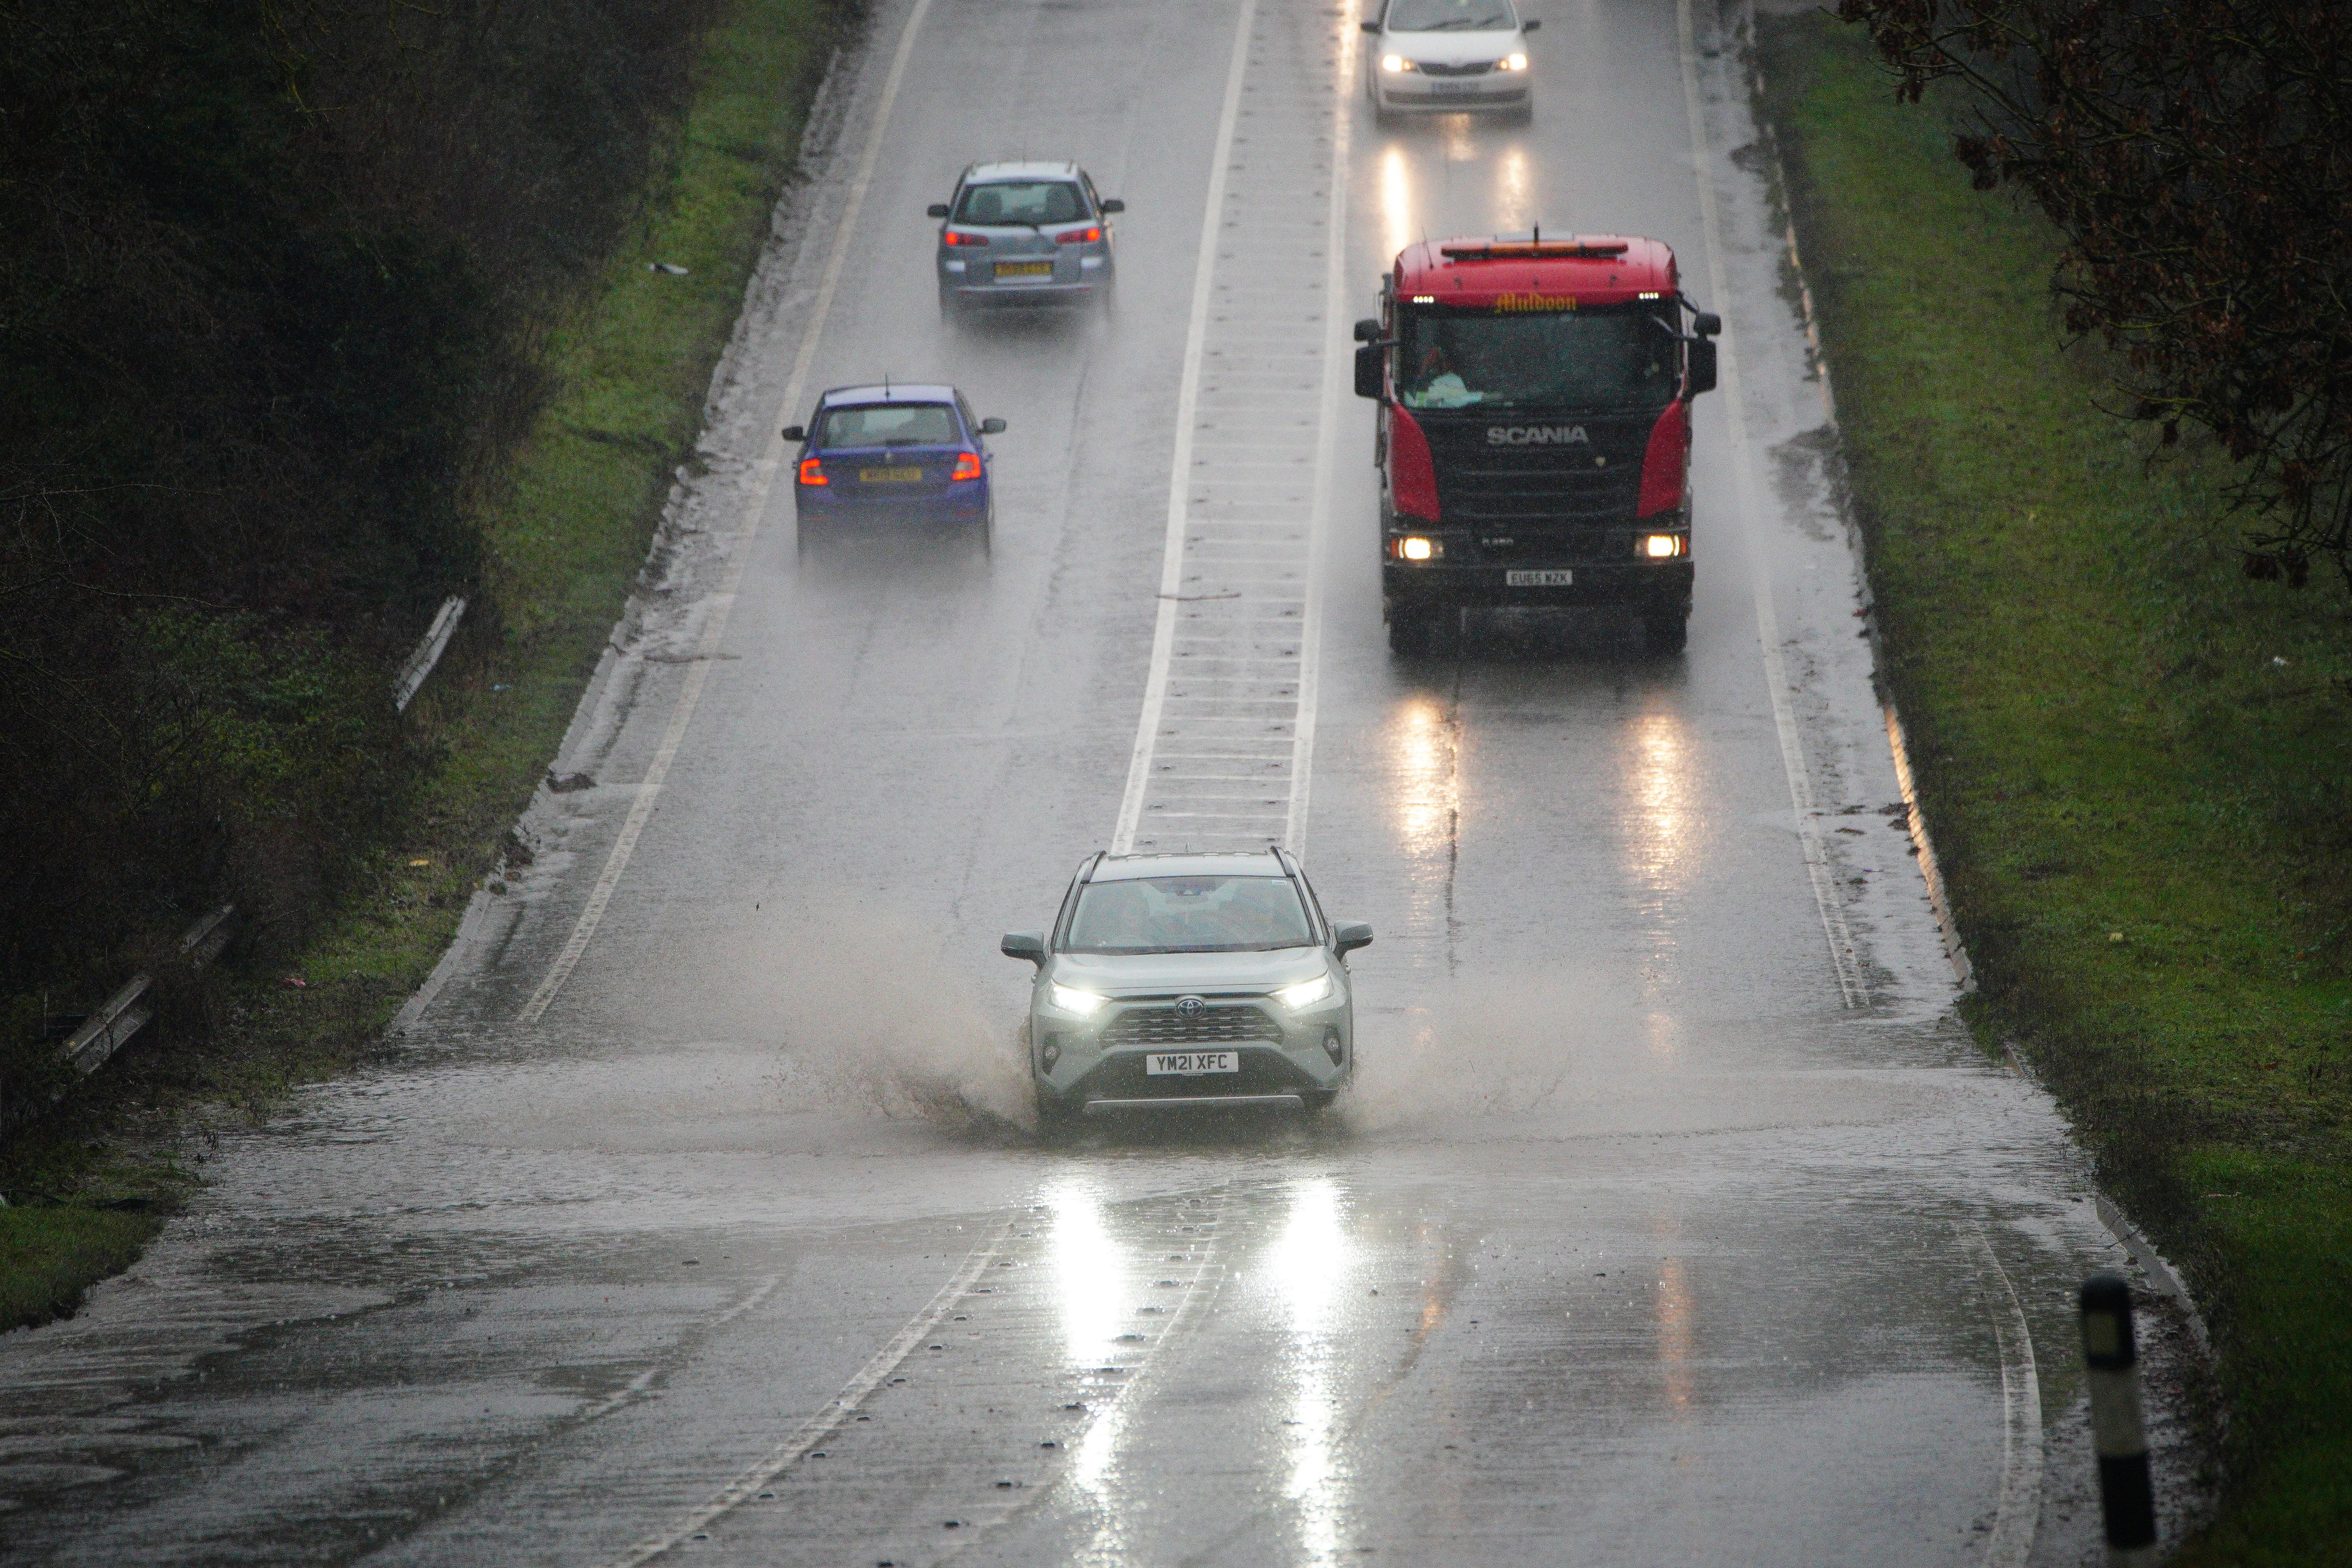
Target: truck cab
(1534, 431)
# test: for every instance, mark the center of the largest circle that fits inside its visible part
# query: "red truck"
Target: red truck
(1534, 442)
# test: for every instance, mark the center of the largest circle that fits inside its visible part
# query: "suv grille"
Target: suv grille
(1212, 1025)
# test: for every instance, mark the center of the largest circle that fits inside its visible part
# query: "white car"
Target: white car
(1450, 57)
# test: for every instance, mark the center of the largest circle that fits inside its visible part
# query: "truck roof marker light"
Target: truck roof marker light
(1424, 299)
(1653, 295)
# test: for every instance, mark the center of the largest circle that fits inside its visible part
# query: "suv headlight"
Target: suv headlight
(1308, 993)
(1079, 1001)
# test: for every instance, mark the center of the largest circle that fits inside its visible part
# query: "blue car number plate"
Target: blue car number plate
(889, 475)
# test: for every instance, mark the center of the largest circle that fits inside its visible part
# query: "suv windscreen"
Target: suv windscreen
(1449, 15)
(1550, 359)
(889, 425)
(1023, 202)
(1188, 914)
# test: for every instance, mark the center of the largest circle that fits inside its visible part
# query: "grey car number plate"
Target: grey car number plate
(1187, 1064)
(1538, 579)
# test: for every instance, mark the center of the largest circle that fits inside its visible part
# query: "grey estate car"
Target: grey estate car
(1189, 980)
(1025, 234)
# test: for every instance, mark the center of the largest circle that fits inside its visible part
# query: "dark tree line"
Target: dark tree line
(272, 276)
(2196, 155)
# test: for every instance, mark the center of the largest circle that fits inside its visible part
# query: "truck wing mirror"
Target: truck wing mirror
(1370, 376)
(1707, 324)
(1702, 367)
(937, 209)
(1367, 330)
(1350, 936)
(991, 427)
(795, 432)
(1113, 205)
(1028, 944)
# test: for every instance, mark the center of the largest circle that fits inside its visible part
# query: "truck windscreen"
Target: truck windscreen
(1551, 359)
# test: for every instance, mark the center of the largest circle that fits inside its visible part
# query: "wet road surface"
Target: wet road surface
(1673, 1217)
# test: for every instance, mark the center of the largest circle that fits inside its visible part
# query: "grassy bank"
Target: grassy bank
(2134, 762)
(565, 528)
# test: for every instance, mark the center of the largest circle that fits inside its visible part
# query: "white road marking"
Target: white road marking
(813, 1431)
(2016, 1509)
(1233, 668)
(1852, 990)
(763, 478)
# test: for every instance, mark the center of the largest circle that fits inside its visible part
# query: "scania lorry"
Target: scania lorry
(1534, 430)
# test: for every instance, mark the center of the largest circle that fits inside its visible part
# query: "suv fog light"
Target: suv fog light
(1415, 548)
(1051, 1054)
(1331, 1047)
(1661, 546)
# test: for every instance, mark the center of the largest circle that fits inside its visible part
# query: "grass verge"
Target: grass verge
(567, 528)
(2134, 760)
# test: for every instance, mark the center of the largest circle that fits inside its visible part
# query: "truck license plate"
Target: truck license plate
(1024, 269)
(1188, 1064)
(889, 475)
(1538, 579)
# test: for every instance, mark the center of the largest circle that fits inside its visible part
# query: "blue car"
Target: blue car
(893, 458)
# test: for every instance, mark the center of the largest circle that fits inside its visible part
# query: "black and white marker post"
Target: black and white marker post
(2125, 1494)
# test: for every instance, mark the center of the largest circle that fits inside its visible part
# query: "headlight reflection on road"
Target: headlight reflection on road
(1659, 821)
(1091, 1287)
(1310, 1265)
(1396, 201)
(1421, 764)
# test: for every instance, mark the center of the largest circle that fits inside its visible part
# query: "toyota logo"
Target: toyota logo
(1190, 1006)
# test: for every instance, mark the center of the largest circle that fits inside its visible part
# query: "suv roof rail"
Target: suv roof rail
(1086, 871)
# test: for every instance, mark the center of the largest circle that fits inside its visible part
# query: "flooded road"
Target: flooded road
(699, 1212)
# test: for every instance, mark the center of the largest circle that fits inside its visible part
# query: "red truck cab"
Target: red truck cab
(1534, 440)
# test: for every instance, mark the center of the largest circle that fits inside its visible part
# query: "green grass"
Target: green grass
(2133, 761)
(50, 1252)
(568, 526)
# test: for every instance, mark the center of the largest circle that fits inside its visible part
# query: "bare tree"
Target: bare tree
(2196, 155)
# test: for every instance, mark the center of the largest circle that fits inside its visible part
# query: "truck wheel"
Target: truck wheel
(1422, 631)
(1665, 629)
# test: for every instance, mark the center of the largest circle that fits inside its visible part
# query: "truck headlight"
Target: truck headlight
(1413, 547)
(1308, 993)
(1662, 546)
(1082, 1003)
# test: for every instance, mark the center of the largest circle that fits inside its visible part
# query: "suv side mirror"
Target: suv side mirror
(1112, 205)
(1702, 367)
(1369, 377)
(1529, 24)
(991, 427)
(1028, 944)
(1707, 324)
(937, 209)
(1367, 330)
(1350, 936)
(795, 432)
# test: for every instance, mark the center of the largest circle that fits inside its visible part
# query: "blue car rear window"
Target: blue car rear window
(890, 424)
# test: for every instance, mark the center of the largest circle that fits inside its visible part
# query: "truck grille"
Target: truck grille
(1211, 1026)
(1502, 489)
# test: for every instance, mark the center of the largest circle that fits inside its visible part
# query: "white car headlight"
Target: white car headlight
(1308, 993)
(1395, 63)
(1513, 63)
(1079, 1001)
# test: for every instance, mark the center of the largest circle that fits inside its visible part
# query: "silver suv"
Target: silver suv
(1190, 980)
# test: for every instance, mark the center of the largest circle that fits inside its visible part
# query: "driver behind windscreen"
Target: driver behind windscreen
(1436, 384)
